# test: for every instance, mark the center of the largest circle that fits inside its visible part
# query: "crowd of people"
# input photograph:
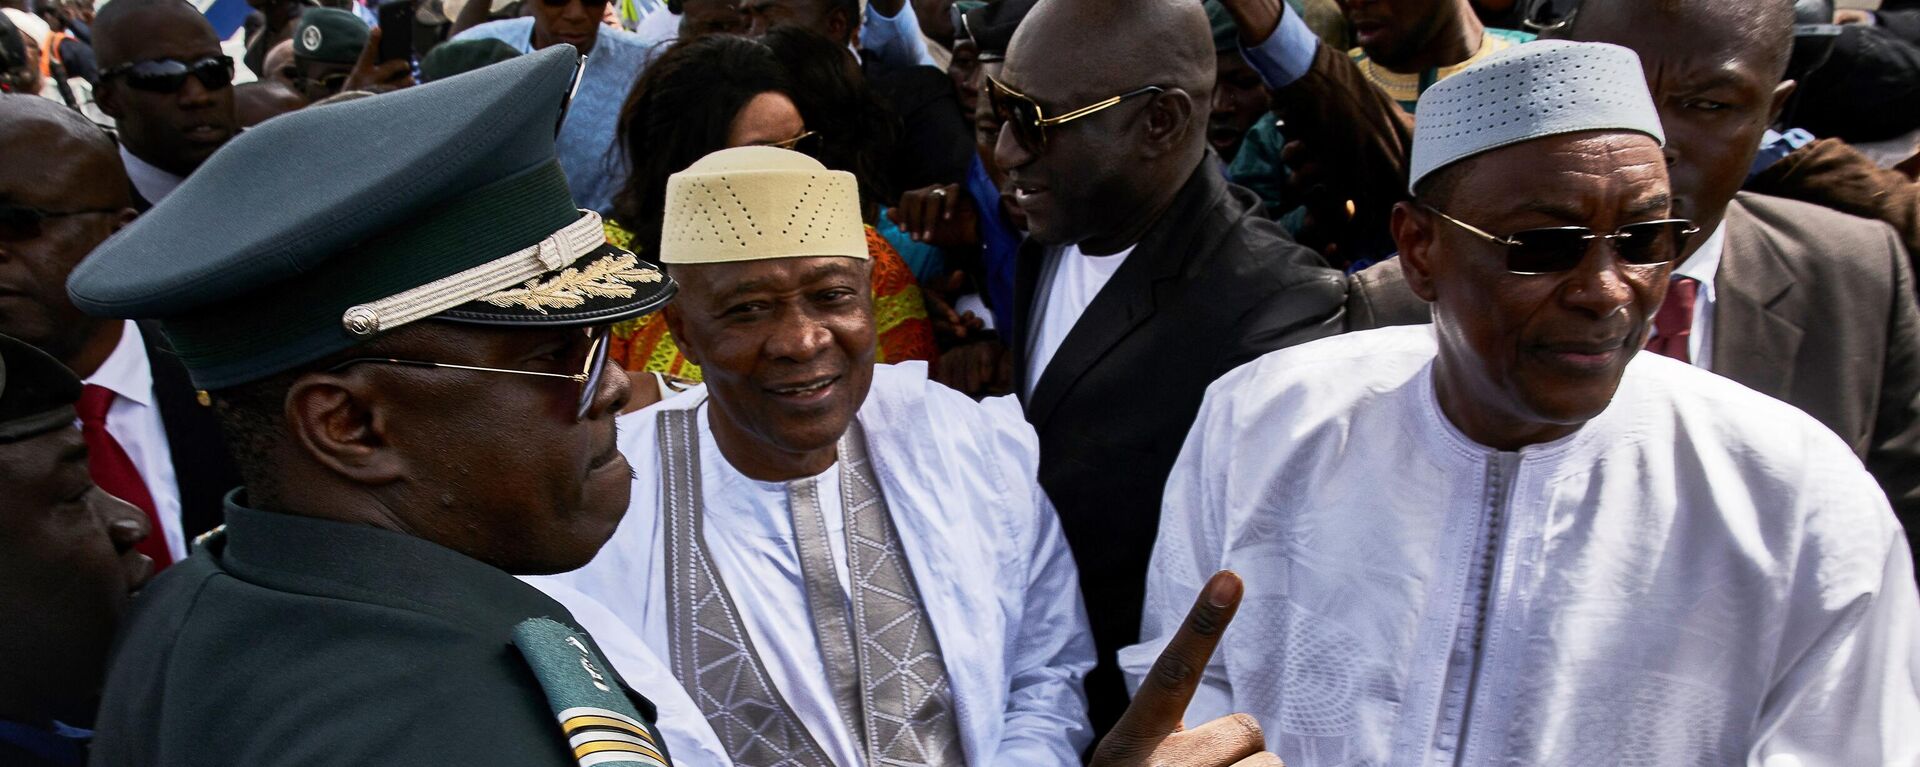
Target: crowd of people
(793, 383)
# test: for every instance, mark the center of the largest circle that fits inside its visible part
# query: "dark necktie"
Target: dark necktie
(114, 472)
(1673, 324)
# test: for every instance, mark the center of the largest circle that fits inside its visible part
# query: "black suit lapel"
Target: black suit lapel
(202, 467)
(1754, 340)
(1128, 299)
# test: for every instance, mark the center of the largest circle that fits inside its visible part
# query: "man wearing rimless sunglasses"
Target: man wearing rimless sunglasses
(168, 88)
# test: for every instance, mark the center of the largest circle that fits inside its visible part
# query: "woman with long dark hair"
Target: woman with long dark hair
(721, 91)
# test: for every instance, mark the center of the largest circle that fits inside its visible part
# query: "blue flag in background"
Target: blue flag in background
(227, 16)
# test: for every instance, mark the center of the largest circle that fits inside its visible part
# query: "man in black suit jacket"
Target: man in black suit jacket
(67, 192)
(1196, 281)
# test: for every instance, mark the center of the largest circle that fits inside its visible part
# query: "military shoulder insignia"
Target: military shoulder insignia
(601, 724)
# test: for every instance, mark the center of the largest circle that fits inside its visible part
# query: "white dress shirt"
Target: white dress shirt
(1698, 575)
(153, 183)
(1069, 281)
(981, 538)
(134, 421)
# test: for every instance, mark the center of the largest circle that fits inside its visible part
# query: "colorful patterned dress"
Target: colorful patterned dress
(899, 315)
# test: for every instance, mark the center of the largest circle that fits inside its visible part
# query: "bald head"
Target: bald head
(59, 151)
(1102, 179)
(67, 168)
(1098, 48)
(124, 29)
(1760, 31)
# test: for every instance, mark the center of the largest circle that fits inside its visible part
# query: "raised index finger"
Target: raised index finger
(1160, 704)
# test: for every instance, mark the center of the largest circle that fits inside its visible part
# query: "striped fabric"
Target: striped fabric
(600, 736)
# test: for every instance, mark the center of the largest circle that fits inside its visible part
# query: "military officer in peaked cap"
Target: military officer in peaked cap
(410, 362)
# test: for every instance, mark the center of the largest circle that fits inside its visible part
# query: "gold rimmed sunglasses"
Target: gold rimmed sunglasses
(588, 378)
(1030, 122)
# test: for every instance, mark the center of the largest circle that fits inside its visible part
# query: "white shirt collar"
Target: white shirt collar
(1705, 262)
(153, 183)
(125, 371)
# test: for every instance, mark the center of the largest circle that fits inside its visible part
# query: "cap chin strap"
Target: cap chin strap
(555, 252)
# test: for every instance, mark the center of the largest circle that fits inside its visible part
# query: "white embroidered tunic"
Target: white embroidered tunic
(1699, 576)
(982, 540)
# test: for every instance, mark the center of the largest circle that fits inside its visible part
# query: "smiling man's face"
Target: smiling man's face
(786, 347)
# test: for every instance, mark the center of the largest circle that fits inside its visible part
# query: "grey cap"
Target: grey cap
(1531, 91)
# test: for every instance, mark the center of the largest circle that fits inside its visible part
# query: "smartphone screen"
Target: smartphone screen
(396, 30)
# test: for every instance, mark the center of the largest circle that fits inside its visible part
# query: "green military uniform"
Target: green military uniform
(293, 640)
(288, 640)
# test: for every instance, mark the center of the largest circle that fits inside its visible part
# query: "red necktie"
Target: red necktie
(1673, 324)
(114, 472)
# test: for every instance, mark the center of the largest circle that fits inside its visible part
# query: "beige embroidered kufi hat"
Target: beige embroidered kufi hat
(756, 202)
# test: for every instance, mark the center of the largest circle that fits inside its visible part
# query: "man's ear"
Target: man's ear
(677, 325)
(1781, 93)
(1167, 121)
(126, 216)
(843, 26)
(1413, 234)
(106, 95)
(340, 422)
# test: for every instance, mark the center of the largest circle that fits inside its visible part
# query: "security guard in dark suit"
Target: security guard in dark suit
(400, 316)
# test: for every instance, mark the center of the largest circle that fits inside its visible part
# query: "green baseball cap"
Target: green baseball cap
(330, 35)
(460, 56)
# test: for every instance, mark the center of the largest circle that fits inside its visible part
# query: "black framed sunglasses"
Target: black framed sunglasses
(329, 83)
(1030, 122)
(20, 223)
(1558, 249)
(588, 378)
(168, 75)
(1548, 15)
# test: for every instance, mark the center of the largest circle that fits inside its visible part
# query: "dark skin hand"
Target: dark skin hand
(59, 162)
(1715, 80)
(491, 465)
(68, 569)
(941, 215)
(1527, 359)
(1152, 732)
(977, 369)
(369, 73)
(950, 326)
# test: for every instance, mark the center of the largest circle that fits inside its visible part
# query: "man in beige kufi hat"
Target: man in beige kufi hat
(840, 563)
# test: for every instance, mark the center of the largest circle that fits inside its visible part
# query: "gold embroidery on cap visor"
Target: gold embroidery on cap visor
(611, 276)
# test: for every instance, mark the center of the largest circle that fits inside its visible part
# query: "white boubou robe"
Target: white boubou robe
(1700, 575)
(982, 540)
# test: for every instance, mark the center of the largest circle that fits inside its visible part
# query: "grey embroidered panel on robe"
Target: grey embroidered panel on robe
(904, 710)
